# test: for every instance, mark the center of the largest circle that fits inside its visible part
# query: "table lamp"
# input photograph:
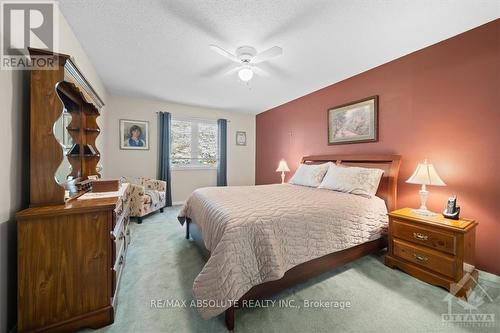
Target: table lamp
(424, 175)
(283, 167)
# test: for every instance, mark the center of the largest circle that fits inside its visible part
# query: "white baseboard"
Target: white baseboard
(489, 276)
(178, 203)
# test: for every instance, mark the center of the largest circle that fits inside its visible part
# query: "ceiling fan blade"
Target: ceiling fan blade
(268, 54)
(259, 71)
(275, 69)
(216, 70)
(224, 53)
(232, 71)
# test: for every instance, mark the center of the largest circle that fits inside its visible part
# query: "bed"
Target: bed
(263, 239)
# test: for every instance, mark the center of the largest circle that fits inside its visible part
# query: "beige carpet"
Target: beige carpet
(161, 265)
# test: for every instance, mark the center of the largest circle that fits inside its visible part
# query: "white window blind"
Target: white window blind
(194, 143)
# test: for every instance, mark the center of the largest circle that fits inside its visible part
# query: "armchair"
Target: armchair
(146, 196)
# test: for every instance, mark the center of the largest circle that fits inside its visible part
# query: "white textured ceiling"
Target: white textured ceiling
(160, 49)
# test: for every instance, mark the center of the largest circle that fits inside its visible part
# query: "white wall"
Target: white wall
(117, 163)
(14, 109)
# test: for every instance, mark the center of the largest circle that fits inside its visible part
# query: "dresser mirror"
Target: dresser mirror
(66, 130)
(62, 135)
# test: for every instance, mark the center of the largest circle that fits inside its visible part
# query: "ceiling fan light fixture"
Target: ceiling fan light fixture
(246, 57)
(245, 74)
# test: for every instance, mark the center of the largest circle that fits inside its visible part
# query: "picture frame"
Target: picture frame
(354, 122)
(241, 138)
(134, 134)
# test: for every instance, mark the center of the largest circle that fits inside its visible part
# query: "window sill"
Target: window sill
(192, 168)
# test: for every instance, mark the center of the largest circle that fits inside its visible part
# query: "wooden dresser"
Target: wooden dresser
(434, 249)
(71, 258)
(71, 249)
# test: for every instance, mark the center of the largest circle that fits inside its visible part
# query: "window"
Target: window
(194, 143)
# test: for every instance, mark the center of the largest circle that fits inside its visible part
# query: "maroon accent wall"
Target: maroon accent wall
(440, 103)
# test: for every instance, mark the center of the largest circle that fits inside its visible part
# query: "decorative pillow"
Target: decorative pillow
(354, 180)
(310, 174)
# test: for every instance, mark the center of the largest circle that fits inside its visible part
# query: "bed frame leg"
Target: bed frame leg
(230, 318)
(187, 229)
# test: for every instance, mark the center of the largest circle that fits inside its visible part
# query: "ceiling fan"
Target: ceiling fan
(247, 57)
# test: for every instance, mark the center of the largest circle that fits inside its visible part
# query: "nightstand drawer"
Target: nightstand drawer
(425, 257)
(442, 241)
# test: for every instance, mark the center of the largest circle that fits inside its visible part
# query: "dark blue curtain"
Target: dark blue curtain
(164, 120)
(222, 152)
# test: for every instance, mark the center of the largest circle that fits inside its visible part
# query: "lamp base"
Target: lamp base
(423, 212)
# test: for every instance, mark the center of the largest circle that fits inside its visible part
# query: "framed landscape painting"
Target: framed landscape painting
(134, 134)
(354, 122)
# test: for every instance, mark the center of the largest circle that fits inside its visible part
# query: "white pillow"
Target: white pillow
(310, 174)
(354, 180)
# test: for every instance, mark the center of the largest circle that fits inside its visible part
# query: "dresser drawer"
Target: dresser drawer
(127, 233)
(119, 220)
(119, 207)
(442, 241)
(118, 247)
(425, 257)
(117, 274)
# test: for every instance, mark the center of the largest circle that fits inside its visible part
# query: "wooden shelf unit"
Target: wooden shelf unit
(71, 253)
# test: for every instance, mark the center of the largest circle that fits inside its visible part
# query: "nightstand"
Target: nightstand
(433, 249)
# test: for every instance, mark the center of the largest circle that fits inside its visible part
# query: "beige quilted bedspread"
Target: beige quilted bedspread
(256, 233)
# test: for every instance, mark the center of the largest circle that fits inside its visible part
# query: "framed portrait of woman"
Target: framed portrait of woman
(134, 134)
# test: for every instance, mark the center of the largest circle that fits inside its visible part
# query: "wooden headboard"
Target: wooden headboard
(387, 189)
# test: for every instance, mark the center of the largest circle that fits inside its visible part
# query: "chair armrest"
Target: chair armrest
(130, 180)
(136, 199)
(137, 190)
(154, 184)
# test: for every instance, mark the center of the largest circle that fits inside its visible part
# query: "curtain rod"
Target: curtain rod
(195, 118)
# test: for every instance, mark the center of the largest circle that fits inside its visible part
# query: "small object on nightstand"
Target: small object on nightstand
(452, 211)
(283, 167)
(425, 174)
(433, 249)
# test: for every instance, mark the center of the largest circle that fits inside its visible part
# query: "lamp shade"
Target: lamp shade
(282, 167)
(425, 174)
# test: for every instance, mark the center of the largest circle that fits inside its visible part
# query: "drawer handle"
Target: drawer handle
(420, 257)
(113, 237)
(419, 236)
